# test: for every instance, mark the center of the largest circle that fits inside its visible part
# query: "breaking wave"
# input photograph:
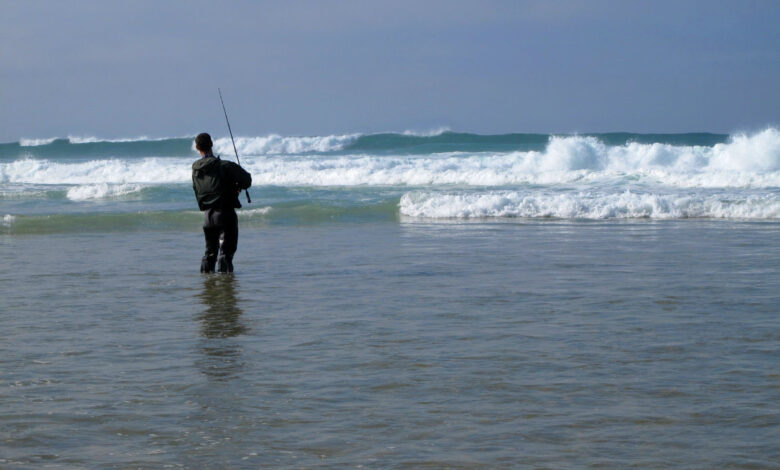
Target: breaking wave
(410, 142)
(101, 191)
(746, 161)
(437, 174)
(36, 142)
(248, 213)
(588, 205)
(112, 171)
(429, 133)
(275, 144)
(94, 140)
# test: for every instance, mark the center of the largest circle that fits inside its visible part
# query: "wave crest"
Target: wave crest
(113, 171)
(588, 205)
(746, 161)
(101, 191)
(36, 142)
(275, 144)
(427, 133)
(94, 140)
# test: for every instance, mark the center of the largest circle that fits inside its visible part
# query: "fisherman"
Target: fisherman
(217, 184)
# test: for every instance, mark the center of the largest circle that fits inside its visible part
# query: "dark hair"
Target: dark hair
(203, 142)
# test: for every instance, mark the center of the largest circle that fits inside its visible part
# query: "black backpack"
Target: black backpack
(207, 182)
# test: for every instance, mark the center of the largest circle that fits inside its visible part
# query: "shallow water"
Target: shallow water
(535, 344)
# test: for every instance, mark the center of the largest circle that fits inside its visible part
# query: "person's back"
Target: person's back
(217, 184)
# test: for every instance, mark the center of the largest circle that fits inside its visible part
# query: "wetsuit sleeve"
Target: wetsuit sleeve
(241, 177)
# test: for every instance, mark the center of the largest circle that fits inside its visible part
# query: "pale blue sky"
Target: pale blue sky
(124, 69)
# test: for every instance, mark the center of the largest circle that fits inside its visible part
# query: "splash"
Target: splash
(589, 205)
(101, 191)
(36, 142)
(275, 144)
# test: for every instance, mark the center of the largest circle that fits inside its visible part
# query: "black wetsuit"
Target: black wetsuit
(220, 226)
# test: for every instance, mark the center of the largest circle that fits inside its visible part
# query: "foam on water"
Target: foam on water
(588, 205)
(101, 191)
(745, 161)
(253, 212)
(275, 144)
(756, 154)
(759, 152)
(738, 178)
(36, 142)
(92, 140)
(111, 171)
(428, 133)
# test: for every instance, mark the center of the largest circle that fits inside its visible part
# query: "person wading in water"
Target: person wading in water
(217, 184)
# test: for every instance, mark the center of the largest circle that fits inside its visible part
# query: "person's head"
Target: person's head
(203, 143)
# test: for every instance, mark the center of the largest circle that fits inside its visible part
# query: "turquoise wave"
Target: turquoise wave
(460, 141)
(382, 143)
(289, 213)
(66, 148)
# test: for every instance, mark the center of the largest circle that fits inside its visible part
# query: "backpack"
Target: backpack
(207, 182)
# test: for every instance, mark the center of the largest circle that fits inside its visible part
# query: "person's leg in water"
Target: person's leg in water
(229, 241)
(211, 230)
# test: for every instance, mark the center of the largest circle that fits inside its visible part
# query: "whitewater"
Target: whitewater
(435, 175)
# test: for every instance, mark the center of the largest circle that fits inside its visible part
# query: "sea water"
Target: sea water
(400, 301)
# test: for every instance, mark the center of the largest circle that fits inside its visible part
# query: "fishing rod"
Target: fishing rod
(248, 199)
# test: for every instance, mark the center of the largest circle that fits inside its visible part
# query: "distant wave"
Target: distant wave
(101, 191)
(113, 171)
(275, 144)
(588, 205)
(36, 142)
(428, 133)
(408, 142)
(747, 161)
(93, 140)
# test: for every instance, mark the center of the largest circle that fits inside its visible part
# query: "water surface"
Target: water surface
(395, 344)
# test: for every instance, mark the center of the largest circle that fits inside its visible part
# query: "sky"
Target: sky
(112, 68)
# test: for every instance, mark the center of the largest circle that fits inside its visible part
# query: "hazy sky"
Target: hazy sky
(130, 68)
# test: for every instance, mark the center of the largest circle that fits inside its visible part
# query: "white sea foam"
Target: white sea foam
(91, 139)
(36, 142)
(428, 133)
(275, 144)
(113, 171)
(8, 219)
(747, 161)
(253, 212)
(759, 152)
(588, 205)
(101, 191)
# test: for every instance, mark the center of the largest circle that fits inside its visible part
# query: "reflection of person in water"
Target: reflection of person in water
(220, 321)
(222, 317)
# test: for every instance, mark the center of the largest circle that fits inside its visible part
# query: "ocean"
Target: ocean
(400, 300)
